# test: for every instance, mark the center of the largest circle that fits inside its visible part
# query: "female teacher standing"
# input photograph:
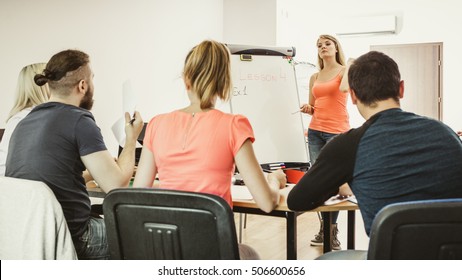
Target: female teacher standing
(327, 106)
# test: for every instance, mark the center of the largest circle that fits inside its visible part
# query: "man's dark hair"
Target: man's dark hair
(61, 71)
(374, 77)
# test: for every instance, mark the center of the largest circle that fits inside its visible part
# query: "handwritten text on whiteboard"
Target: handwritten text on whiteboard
(239, 91)
(264, 77)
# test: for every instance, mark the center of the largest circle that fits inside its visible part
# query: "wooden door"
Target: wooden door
(421, 70)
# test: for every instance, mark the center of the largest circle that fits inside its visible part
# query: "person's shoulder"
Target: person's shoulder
(238, 117)
(80, 112)
(234, 120)
(169, 115)
(63, 110)
(218, 114)
(20, 115)
(348, 135)
(353, 135)
(165, 117)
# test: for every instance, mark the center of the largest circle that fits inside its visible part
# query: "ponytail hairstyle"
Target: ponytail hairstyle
(28, 94)
(64, 71)
(207, 67)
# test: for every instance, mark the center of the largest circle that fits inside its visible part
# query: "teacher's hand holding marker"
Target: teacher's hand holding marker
(307, 109)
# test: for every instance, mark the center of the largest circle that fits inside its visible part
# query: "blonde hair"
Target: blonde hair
(339, 56)
(207, 67)
(29, 94)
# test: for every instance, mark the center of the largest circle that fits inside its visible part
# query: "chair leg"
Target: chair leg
(245, 220)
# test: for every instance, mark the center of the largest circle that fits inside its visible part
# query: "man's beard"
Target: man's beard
(87, 101)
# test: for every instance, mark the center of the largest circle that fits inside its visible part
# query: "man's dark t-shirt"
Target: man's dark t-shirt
(47, 145)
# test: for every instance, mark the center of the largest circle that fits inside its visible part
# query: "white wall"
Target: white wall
(419, 21)
(145, 41)
(250, 22)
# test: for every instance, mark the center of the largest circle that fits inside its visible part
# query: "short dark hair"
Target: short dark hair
(374, 77)
(59, 66)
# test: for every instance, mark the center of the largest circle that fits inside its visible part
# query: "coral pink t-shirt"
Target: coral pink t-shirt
(196, 152)
(330, 107)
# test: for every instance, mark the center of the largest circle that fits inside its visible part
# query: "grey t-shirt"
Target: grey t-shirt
(47, 145)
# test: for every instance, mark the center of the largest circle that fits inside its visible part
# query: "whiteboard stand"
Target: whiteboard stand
(265, 91)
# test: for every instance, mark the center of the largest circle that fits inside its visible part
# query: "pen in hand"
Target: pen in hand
(133, 119)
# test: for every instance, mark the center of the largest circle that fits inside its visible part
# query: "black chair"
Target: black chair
(168, 224)
(419, 230)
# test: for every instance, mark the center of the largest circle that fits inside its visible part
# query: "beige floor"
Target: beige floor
(267, 235)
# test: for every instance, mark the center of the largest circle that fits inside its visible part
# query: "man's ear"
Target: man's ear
(82, 86)
(354, 99)
(401, 89)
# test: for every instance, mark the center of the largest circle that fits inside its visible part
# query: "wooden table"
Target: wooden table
(250, 207)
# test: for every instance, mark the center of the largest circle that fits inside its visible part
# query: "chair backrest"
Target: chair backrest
(32, 223)
(429, 229)
(168, 224)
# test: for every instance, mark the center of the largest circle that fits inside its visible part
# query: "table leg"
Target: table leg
(291, 232)
(351, 229)
(327, 231)
(240, 228)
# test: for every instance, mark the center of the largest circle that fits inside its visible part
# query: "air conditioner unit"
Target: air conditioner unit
(371, 25)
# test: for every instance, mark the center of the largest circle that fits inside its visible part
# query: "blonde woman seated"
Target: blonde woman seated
(28, 95)
(195, 148)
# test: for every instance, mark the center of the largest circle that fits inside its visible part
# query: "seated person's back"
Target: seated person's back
(196, 152)
(195, 148)
(395, 156)
(414, 158)
(59, 139)
(43, 149)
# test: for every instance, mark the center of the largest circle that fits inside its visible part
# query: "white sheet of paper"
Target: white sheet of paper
(129, 99)
(240, 193)
(118, 129)
(129, 102)
(336, 199)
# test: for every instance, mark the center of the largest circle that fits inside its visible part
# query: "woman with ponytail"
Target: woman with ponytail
(196, 148)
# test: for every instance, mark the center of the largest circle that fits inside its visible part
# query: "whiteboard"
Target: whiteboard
(265, 91)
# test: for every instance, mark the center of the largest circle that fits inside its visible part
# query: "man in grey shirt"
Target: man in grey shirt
(59, 139)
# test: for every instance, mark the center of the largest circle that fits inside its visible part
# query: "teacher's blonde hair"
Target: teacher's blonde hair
(207, 68)
(339, 55)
